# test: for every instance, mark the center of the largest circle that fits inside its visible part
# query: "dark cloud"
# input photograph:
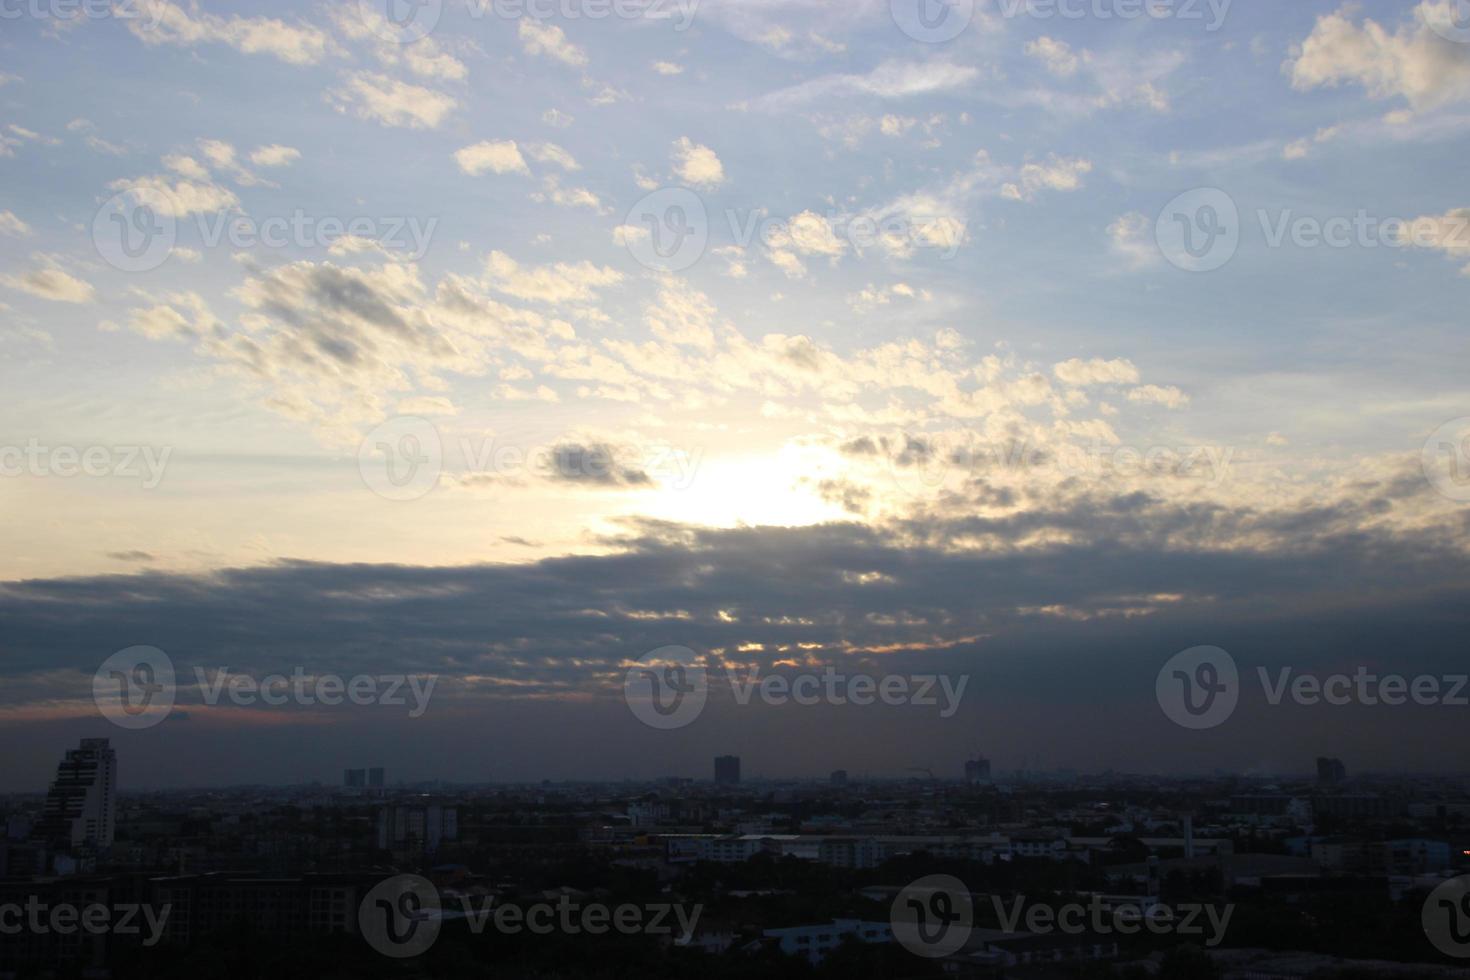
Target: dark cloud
(1061, 613)
(597, 464)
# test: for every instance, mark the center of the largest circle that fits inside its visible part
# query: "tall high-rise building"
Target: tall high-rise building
(839, 777)
(81, 807)
(727, 770)
(375, 778)
(1331, 772)
(354, 778)
(977, 770)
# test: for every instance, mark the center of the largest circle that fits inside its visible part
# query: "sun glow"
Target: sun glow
(773, 489)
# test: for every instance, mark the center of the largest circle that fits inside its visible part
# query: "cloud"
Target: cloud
(1132, 238)
(177, 198)
(550, 41)
(560, 283)
(1413, 62)
(890, 80)
(697, 165)
(1081, 373)
(1057, 56)
(13, 226)
(163, 22)
(385, 100)
(1056, 174)
(487, 156)
(596, 464)
(1449, 233)
(1169, 397)
(553, 154)
(274, 155)
(50, 281)
(667, 68)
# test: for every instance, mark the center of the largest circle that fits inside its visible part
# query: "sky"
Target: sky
(507, 342)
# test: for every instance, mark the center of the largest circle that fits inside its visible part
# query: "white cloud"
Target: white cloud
(1057, 56)
(13, 226)
(549, 40)
(696, 164)
(557, 118)
(626, 235)
(668, 68)
(551, 153)
(1449, 233)
(163, 22)
(179, 198)
(48, 280)
(1169, 397)
(560, 283)
(1414, 62)
(390, 102)
(498, 156)
(1080, 373)
(274, 155)
(1132, 238)
(1056, 174)
(890, 80)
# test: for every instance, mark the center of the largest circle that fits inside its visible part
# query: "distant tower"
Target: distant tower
(839, 777)
(1330, 772)
(81, 807)
(354, 778)
(727, 770)
(977, 771)
(375, 778)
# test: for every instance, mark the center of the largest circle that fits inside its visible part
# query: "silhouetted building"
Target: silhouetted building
(416, 829)
(81, 807)
(727, 770)
(977, 771)
(839, 777)
(354, 778)
(375, 778)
